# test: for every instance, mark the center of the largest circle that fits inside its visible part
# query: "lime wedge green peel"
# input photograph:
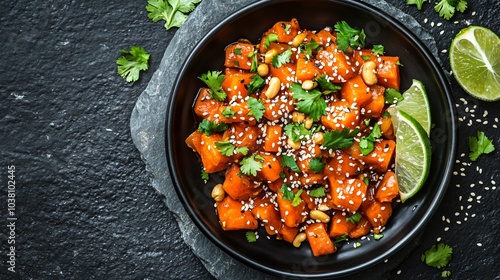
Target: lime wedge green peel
(413, 154)
(475, 62)
(416, 104)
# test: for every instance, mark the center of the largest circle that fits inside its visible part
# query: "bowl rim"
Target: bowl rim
(420, 224)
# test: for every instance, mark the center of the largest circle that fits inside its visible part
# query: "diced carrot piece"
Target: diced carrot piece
(271, 167)
(238, 55)
(388, 188)
(386, 127)
(378, 214)
(235, 83)
(306, 69)
(278, 107)
(388, 72)
(362, 228)
(272, 142)
(325, 37)
(342, 115)
(239, 186)
(304, 156)
(275, 186)
(363, 55)
(286, 30)
(336, 64)
(356, 91)
(193, 140)
(318, 238)
(211, 157)
(379, 159)
(265, 211)
(241, 114)
(374, 108)
(232, 218)
(339, 226)
(347, 194)
(291, 215)
(284, 72)
(206, 107)
(288, 233)
(243, 135)
(342, 165)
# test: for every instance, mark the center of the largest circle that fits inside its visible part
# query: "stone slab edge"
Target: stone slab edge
(147, 124)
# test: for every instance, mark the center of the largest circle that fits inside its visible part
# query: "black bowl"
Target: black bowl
(278, 257)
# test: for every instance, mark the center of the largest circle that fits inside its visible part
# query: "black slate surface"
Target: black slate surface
(85, 207)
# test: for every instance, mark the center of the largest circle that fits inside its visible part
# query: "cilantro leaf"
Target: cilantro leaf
(287, 193)
(416, 2)
(377, 236)
(355, 218)
(367, 143)
(282, 58)
(256, 108)
(225, 147)
(214, 79)
(310, 47)
(250, 165)
(318, 192)
(316, 165)
(447, 8)
(173, 12)
(446, 273)
(392, 96)
(326, 85)
(132, 62)
(289, 161)
(209, 127)
(204, 175)
(336, 139)
(270, 39)
(480, 145)
(228, 112)
(437, 256)
(237, 51)
(242, 150)
(378, 49)
(250, 236)
(340, 239)
(296, 198)
(349, 37)
(296, 131)
(256, 84)
(311, 102)
(255, 61)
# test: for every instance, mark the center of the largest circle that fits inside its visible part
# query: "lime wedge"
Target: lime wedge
(413, 154)
(416, 104)
(475, 62)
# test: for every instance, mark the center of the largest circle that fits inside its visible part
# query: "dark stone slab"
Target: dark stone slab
(148, 123)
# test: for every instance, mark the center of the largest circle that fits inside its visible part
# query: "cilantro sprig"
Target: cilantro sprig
(251, 165)
(289, 161)
(270, 39)
(287, 193)
(316, 165)
(251, 236)
(297, 131)
(214, 79)
(256, 108)
(311, 102)
(339, 139)
(447, 8)
(132, 62)
(392, 96)
(326, 86)
(173, 12)
(228, 149)
(318, 192)
(355, 218)
(480, 145)
(256, 84)
(437, 256)
(349, 37)
(209, 127)
(282, 58)
(367, 143)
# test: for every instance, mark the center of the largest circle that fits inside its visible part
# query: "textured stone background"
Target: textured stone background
(84, 202)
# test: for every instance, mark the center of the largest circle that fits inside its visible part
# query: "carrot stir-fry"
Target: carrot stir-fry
(297, 123)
